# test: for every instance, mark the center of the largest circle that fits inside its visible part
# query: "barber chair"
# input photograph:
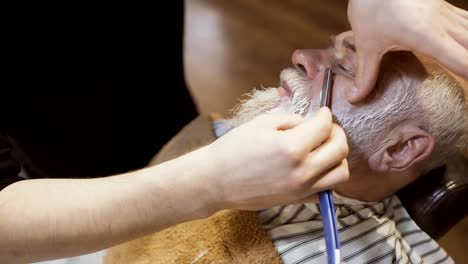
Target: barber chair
(437, 200)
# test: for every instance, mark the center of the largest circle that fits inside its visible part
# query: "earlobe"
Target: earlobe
(406, 148)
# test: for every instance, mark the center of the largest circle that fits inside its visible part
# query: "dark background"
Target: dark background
(92, 91)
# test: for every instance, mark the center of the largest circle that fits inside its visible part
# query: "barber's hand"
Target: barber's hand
(279, 159)
(431, 27)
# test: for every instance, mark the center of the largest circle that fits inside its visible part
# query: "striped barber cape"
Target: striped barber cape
(379, 232)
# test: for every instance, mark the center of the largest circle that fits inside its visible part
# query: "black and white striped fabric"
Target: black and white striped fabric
(380, 232)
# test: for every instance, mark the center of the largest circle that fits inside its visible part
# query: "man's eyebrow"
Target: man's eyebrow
(349, 45)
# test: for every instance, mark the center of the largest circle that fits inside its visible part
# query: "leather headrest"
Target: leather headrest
(437, 200)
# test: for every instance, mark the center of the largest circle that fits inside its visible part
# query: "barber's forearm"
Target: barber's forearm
(52, 218)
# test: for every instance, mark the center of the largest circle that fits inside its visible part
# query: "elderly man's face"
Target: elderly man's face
(389, 132)
(310, 67)
(300, 88)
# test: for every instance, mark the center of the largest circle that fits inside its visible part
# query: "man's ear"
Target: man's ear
(406, 145)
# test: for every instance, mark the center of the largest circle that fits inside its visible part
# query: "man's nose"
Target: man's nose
(308, 61)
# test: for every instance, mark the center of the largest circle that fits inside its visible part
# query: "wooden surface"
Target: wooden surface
(232, 46)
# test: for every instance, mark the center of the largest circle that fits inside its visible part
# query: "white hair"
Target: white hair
(257, 102)
(443, 103)
(438, 100)
(371, 123)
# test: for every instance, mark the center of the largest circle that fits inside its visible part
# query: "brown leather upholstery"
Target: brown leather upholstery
(435, 201)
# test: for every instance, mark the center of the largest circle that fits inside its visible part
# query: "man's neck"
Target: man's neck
(369, 186)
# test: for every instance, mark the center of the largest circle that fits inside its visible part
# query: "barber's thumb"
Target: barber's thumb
(366, 76)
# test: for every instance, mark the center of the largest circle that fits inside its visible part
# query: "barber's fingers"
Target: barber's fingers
(309, 134)
(328, 155)
(460, 12)
(366, 75)
(279, 121)
(460, 35)
(449, 43)
(334, 176)
(328, 179)
(462, 19)
(452, 55)
(313, 198)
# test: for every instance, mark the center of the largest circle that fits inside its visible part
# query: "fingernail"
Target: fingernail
(323, 109)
